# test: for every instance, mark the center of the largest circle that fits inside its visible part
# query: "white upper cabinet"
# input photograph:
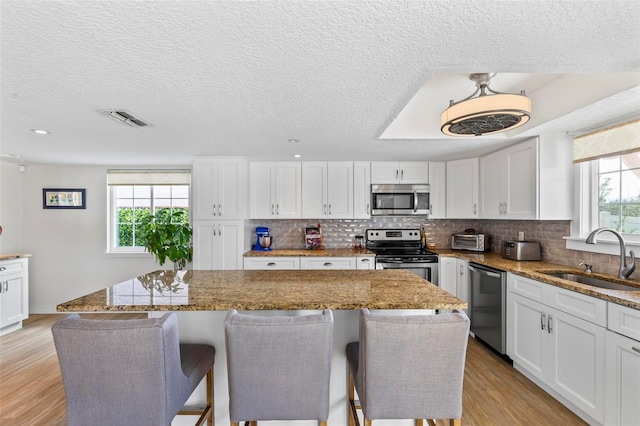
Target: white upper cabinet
(275, 190)
(462, 189)
(218, 188)
(399, 172)
(529, 180)
(327, 189)
(361, 190)
(508, 182)
(438, 189)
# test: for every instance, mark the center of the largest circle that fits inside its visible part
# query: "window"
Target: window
(618, 198)
(135, 195)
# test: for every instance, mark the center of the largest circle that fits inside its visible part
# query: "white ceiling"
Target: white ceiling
(241, 78)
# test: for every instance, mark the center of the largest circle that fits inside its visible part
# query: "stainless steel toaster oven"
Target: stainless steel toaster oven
(471, 242)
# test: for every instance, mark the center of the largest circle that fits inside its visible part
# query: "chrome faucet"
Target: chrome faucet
(625, 270)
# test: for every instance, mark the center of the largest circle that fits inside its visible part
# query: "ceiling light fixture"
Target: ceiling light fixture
(294, 141)
(297, 155)
(40, 131)
(485, 114)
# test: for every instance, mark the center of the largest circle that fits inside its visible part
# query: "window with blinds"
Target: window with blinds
(137, 194)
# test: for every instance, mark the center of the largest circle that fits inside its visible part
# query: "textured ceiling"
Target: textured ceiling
(241, 78)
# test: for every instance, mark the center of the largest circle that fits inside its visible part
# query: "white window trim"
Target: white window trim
(113, 251)
(585, 221)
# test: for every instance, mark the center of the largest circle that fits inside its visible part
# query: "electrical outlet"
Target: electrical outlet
(520, 235)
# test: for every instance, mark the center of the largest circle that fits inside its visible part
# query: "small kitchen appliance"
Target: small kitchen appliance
(263, 239)
(521, 250)
(471, 242)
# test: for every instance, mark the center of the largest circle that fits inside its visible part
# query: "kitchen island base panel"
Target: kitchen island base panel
(207, 327)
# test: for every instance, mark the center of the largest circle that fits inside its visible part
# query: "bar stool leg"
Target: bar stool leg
(418, 422)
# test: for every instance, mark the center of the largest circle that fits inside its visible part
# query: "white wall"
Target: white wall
(11, 209)
(69, 246)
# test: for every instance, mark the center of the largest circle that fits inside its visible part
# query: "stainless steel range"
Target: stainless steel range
(402, 249)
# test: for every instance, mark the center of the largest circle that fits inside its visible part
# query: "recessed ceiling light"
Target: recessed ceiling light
(294, 141)
(40, 131)
(297, 155)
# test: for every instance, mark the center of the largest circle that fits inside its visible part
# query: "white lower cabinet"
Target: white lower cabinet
(559, 339)
(309, 262)
(454, 277)
(274, 262)
(368, 262)
(622, 375)
(14, 294)
(218, 244)
(327, 263)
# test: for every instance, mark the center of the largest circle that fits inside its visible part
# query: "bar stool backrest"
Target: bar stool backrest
(279, 367)
(412, 366)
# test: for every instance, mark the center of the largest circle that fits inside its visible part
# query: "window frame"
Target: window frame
(111, 248)
(586, 209)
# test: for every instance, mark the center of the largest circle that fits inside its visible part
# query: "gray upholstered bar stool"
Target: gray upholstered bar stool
(130, 372)
(279, 367)
(408, 367)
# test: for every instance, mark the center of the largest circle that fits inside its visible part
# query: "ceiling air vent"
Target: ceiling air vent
(124, 117)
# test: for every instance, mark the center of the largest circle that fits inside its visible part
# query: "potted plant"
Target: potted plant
(167, 240)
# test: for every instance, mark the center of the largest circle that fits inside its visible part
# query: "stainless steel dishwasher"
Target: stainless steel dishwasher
(487, 305)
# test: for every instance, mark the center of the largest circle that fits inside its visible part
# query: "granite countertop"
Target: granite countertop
(345, 252)
(536, 271)
(13, 256)
(267, 290)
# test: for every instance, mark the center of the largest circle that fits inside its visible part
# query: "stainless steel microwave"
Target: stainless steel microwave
(400, 200)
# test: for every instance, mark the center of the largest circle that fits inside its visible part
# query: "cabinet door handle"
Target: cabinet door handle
(328, 264)
(368, 208)
(543, 320)
(365, 260)
(329, 209)
(401, 175)
(214, 209)
(271, 264)
(273, 210)
(635, 349)
(220, 230)
(475, 208)
(219, 209)
(396, 175)
(324, 209)
(214, 230)
(6, 286)
(549, 330)
(2, 268)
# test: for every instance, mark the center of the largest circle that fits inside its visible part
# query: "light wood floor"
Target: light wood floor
(31, 391)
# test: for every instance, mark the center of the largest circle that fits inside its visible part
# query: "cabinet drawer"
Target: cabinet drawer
(365, 262)
(624, 320)
(579, 305)
(275, 262)
(531, 289)
(13, 265)
(328, 263)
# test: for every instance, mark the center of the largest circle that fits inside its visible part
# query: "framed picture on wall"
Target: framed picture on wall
(63, 198)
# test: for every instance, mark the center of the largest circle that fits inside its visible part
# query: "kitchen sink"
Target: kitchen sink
(592, 281)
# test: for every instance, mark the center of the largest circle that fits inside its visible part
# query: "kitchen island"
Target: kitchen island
(203, 299)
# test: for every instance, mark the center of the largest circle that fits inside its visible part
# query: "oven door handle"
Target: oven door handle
(415, 201)
(480, 271)
(391, 261)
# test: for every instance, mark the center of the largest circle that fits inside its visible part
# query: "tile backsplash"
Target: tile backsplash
(340, 233)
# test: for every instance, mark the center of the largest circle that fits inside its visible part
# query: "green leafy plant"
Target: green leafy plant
(167, 240)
